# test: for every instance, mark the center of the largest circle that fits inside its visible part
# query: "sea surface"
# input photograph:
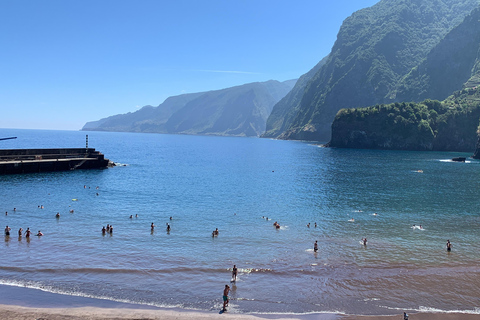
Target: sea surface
(234, 184)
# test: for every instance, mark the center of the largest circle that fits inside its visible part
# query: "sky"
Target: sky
(66, 62)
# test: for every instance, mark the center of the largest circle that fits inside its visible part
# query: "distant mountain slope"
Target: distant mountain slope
(453, 63)
(236, 111)
(283, 112)
(147, 119)
(375, 48)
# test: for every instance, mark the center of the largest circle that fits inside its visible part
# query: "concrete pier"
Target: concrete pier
(14, 161)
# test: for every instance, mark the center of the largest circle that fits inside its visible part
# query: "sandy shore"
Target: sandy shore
(12, 312)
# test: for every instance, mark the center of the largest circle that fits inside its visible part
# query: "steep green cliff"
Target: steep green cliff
(450, 125)
(375, 48)
(451, 64)
(283, 112)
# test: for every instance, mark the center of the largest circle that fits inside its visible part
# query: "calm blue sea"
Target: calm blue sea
(233, 184)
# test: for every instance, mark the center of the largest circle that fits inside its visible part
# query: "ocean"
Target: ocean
(234, 184)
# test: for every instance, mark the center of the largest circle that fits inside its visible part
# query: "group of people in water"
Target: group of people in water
(27, 233)
(152, 226)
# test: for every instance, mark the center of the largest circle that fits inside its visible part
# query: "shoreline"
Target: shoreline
(21, 303)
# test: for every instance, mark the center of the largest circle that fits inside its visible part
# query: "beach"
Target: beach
(12, 312)
(18, 303)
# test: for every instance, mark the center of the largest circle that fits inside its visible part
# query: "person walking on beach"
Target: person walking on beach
(449, 246)
(234, 273)
(315, 246)
(225, 297)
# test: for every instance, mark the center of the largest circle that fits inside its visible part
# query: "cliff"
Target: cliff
(375, 48)
(448, 125)
(237, 111)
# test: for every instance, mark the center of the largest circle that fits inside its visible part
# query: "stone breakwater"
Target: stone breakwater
(15, 161)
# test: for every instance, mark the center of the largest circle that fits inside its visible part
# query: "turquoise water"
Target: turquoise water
(232, 184)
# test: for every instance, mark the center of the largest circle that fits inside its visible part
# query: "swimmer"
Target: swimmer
(27, 233)
(7, 230)
(234, 273)
(152, 226)
(131, 216)
(111, 229)
(39, 234)
(168, 227)
(171, 218)
(216, 231)
(315, 246)
(71, 211)
(352, 220)
(20, 231)
(6, 213)
(315, 224)
(308, 225)
(374, 213)
(57, 215)
(364, 240)
(136, 216)
(14, 209)
(104, 230)
(449, 246)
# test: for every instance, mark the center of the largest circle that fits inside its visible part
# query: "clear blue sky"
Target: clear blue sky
(66, 62)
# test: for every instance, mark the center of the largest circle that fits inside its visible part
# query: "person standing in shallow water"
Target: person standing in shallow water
(315, 246)
(449, 246)
(225, 297)
(234, 273)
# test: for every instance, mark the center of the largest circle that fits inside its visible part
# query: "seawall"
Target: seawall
(15, 161)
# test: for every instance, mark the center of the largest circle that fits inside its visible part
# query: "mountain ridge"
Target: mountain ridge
(238, 111)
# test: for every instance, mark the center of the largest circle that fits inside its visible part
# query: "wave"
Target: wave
(434, 310)
(131, 271)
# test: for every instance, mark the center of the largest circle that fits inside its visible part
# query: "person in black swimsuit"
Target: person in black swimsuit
(449, 246)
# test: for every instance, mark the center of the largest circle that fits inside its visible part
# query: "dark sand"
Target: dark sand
(17, 303)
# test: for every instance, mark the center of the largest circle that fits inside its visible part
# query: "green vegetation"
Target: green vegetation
(450, 125)
(375, 49)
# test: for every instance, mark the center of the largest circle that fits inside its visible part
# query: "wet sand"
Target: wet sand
(12, 312)
(20, 303)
